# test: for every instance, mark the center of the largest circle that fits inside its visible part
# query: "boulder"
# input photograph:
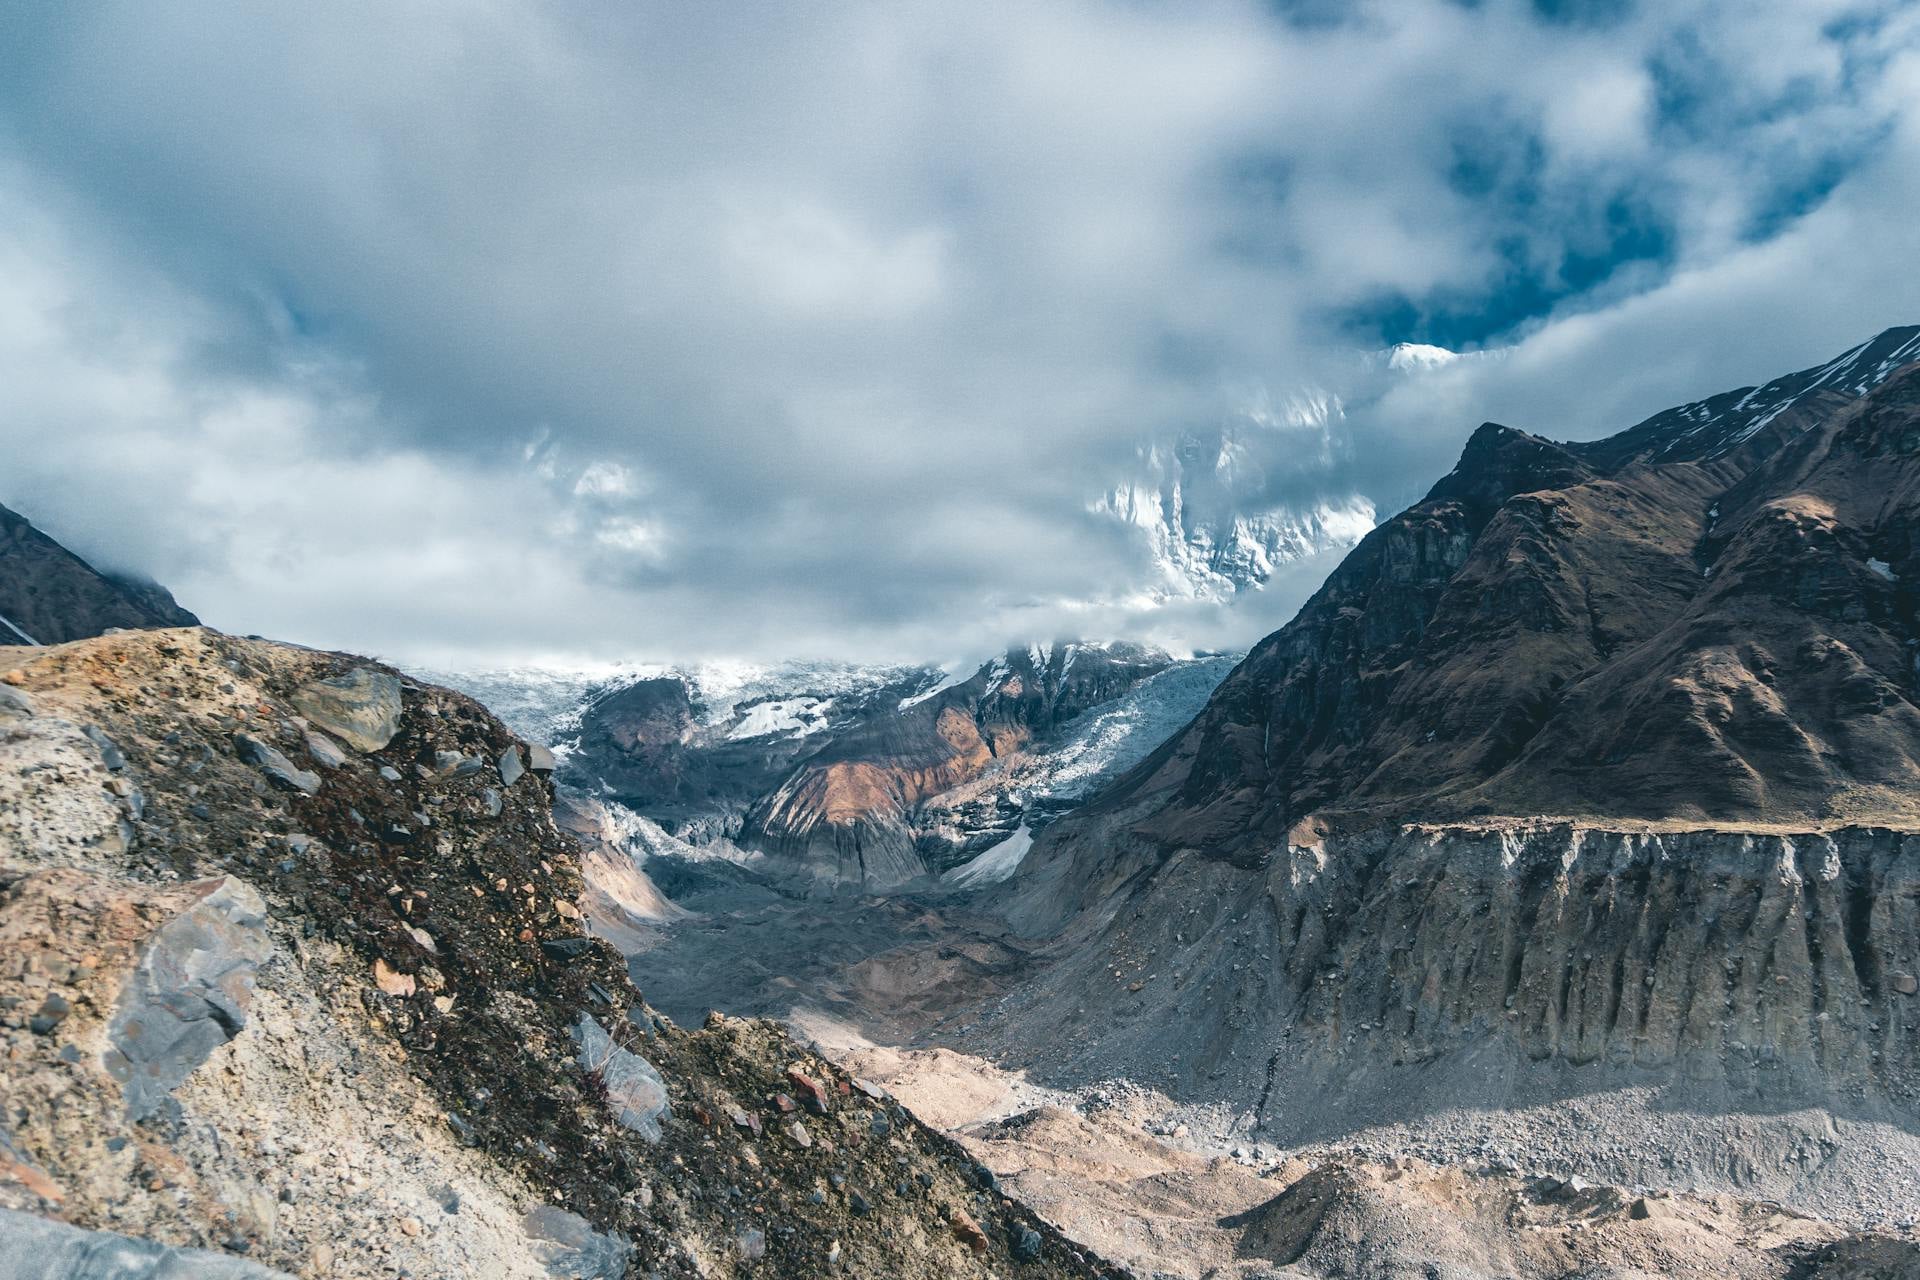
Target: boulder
(967, 1231)
(14, 704)
(539, 759)
(324, 751)
(635, 1091)
(362, 707)
(510, 766)
(276, 766)
(110, 753)
(35, 1248)
(188, 994)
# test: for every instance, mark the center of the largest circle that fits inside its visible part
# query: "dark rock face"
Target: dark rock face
(1705, 618)
(189, 995)
(48, 595)
(1594, 769)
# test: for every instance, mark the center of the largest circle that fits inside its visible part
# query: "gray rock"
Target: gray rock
(189, 993)
(492, 800)
(362, 707)
(274, 765)
(110, 753)
(539, 759)
(325, 752)
(389, 773)
(35, 1248)
(572, 1249)
(1026, 1243)
(510, 766)
(14, 704)
(635, 1091)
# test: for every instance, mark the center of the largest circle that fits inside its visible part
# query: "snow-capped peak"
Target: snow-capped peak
(1418, 355)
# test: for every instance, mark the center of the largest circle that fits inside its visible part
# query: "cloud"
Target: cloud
(500, 330)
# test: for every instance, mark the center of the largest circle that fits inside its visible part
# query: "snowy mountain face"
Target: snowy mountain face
(1203, 500)
(1073, 763)
(1720, 424)
(676, 762)
(731, 700)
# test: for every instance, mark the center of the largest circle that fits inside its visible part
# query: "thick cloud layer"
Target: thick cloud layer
(485, 331)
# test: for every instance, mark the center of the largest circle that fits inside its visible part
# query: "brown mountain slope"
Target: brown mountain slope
(1597, 631)
(48, 595)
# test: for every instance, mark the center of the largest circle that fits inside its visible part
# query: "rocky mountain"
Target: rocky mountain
(853, 776)
(680, 750)
(846, 814)
(1538, 903)
(48, 595)
(1701, 619)
(1579, 801)
(298, 976)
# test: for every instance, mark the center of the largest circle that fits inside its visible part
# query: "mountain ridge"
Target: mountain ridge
(49, 595)
(1562, 559)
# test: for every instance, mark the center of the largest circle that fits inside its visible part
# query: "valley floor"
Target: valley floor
(1616, 1183)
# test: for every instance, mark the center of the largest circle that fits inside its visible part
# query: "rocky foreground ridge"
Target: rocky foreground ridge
(294, 978)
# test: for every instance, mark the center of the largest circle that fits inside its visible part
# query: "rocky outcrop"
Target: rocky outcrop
(188, 994)
(1386, 977)
(395, 1046)
(48, 595)
(654, 747)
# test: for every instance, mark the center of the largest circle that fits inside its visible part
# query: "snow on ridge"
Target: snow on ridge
(544, 702)
(788, 718)
(1419, 355)
(952, 676)
(1111, 738)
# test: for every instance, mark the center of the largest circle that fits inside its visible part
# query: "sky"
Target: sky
(494, 332)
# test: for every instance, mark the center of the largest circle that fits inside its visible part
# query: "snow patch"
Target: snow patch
(993, 865)
(791, 718)
(1882, 568)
